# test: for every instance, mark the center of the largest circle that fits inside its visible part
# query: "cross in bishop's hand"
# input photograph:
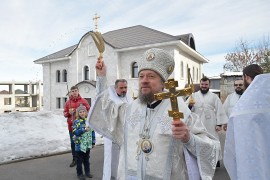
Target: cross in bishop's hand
(171, 85)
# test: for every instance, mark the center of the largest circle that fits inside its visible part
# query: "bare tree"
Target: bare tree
(266, 63)
(264, 52)
(244, 54)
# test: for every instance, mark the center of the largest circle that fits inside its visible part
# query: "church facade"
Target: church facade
(75, 65)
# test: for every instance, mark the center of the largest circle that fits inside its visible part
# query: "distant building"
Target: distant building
(223, 85)
(75, 65)
(20, 96)
(215, 85)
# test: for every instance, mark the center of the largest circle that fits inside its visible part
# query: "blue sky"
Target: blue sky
(31, 29)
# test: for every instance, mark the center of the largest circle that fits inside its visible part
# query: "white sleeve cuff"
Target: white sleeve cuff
(190, 145)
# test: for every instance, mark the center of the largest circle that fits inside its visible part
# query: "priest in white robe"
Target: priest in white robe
(247, 145)
(153, 145)
(232, 98)
(209, 108)
(118, 93)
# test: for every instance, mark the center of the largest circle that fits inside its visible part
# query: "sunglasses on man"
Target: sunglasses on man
(238, 85)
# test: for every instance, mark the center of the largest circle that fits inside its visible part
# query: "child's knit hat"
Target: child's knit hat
(81, 107)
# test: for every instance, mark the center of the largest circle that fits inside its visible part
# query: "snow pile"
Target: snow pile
(30, 134)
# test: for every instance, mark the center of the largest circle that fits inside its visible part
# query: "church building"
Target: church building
(75, 65)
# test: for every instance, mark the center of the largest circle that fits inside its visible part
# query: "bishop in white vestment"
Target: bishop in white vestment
(247, 145)
(153, 146)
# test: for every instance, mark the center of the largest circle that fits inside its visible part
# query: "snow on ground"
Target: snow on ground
(31, 134)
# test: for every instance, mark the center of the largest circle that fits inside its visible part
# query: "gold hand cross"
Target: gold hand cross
(171, 85)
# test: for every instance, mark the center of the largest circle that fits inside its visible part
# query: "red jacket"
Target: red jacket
(73, 103)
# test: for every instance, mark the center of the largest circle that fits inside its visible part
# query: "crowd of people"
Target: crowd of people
(143, 141)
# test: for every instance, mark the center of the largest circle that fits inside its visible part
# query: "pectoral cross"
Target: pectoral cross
(171, 85)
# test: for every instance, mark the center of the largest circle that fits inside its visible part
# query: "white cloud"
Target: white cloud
(215, 65)
(33, 29)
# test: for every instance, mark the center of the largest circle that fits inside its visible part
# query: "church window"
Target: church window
(7, 101)
(64, 101)
(88, 100)
(134, 70)
(64, 75)
(58, 75)
(192, 43)
(86, 72)
(58, 103)
(182, 69)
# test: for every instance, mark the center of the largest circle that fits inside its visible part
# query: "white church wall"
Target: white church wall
(83, 57)
(87, 56)
(72, 70)
(118, 63)
(58, 89)
(188, 61)
(51, 88)
(177, 69)
(126, 59)
(87, 91)
(110, 58)
(47, 85)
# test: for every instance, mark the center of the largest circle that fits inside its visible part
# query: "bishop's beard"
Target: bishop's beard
(146, 98)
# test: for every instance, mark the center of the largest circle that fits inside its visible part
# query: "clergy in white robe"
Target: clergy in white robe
(118, 93)
(230, 102)
(232, 98)
(153, 145)
(209, 108)
(247, 145)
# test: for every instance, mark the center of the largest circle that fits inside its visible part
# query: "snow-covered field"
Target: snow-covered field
(31, 134)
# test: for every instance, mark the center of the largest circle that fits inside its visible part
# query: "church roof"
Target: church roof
(59, 54)
(136, 36)
(125, 38)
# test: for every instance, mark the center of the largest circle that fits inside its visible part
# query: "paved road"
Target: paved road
(57, 168)
(51, 168)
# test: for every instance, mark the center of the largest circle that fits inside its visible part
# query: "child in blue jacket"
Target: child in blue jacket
(84, 138)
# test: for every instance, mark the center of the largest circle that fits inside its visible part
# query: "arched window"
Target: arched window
(58, 76)
(86, 72)
(182, 69)
(134, 70)
(192, 43)
(64, 73)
